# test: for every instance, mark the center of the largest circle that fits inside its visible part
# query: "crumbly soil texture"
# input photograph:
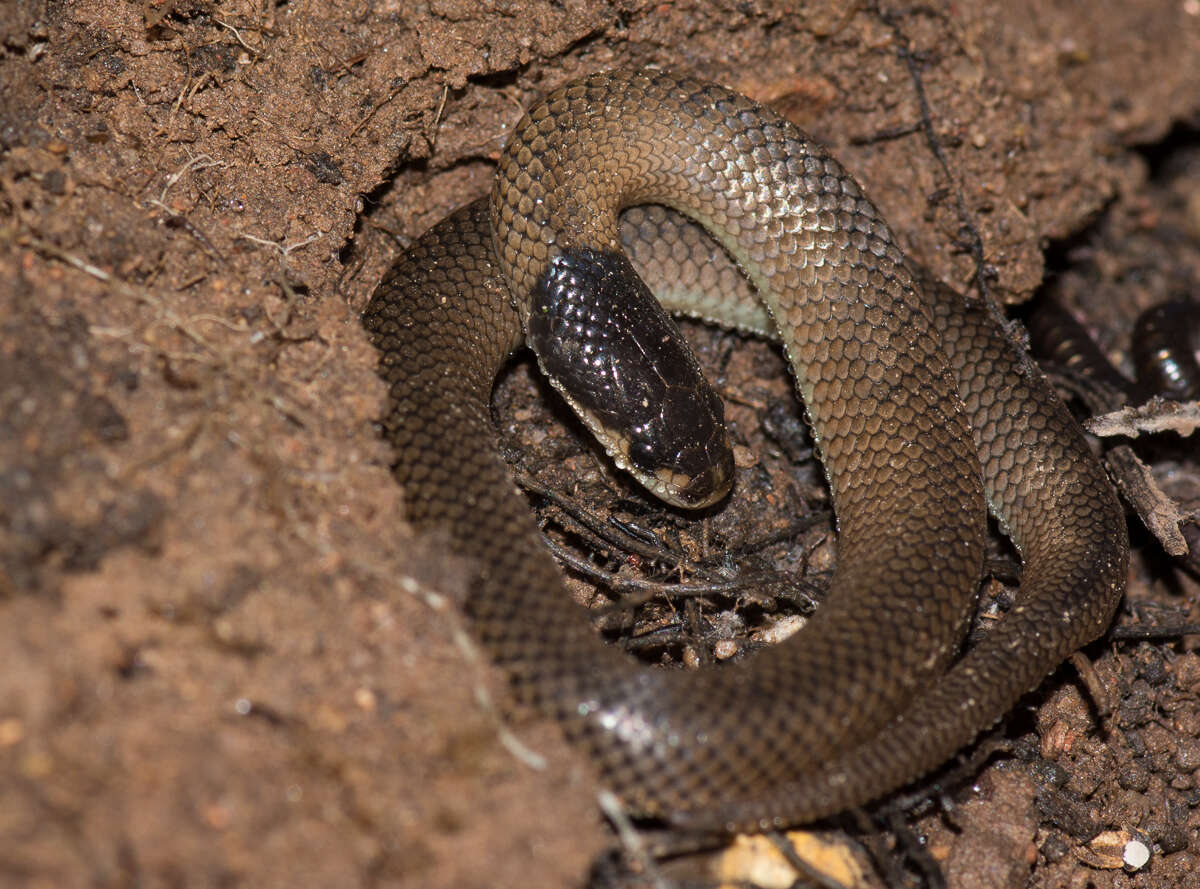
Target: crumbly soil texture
(226, 660)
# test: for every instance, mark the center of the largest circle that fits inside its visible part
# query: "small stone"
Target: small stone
(786, 626)
(1054, 848)
(1134, 776)
(744, 458)
(1136, 855)
(725, 649)
(365, 699)
(1057, 740)
(1187, 755)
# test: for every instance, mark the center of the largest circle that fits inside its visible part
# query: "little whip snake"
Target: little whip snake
(919, 405)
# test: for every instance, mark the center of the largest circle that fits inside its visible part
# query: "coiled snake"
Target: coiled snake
(919, 405)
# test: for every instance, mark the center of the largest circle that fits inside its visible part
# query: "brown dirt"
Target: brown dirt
(221, 661)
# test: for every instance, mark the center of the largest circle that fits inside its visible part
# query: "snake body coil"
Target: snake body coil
(848, 709)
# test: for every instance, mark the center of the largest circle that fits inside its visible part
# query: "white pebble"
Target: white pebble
(1136, 854)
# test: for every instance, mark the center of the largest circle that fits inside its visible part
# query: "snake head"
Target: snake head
(623, 366)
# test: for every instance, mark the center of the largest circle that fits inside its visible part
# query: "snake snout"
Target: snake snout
(685, 449)
(708, 486)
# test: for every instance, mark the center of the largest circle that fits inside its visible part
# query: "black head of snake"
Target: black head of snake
(920, 406)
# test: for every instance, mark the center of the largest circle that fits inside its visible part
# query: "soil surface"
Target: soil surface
(225, 660)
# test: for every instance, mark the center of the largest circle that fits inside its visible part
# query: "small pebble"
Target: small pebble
(1134, 776)
(1187, 755)
(783, 628)
(744, 458)
(1136, 854)
(725, 649)
(1057, 741)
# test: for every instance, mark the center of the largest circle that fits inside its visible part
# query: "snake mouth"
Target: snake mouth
(701, 489)
(692, 478)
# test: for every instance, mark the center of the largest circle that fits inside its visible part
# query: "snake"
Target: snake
(923, 412)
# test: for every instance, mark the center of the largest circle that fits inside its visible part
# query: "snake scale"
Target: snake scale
(920, 407)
